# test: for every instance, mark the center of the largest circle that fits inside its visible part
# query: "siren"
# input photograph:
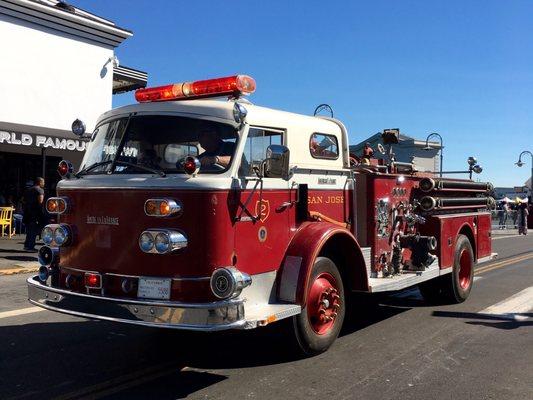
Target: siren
(236, 85)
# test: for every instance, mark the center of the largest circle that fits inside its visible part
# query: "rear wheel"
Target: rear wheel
(320, 321)
(454, 287)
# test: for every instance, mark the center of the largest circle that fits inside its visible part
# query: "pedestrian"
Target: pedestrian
(33, 212)
(523, 212)
(504, 214)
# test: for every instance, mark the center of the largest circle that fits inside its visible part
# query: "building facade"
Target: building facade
(58, 65)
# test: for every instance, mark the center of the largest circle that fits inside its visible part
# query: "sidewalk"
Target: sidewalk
(13, 259)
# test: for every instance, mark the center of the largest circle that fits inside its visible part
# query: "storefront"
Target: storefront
(58, 65)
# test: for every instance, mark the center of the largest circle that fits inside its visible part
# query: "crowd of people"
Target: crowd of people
(517, 210)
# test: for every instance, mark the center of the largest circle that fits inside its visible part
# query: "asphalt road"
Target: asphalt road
(399, 349)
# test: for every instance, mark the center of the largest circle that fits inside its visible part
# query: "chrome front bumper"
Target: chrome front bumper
(214, 316)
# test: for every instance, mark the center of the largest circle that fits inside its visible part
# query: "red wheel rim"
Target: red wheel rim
(323, 303)
(465, 269)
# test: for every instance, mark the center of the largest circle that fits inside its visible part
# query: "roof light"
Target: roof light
(232, 85)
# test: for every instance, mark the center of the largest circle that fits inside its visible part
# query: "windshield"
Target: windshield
(159, 143)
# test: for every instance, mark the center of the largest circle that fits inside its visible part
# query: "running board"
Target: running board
(406, 279)
(264, 314)
(487, 259)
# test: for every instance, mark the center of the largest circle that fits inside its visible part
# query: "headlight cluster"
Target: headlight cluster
(228, 282)
(162, 207)
(58, 234)
(161, 241)
(57, 205)
(49, 259)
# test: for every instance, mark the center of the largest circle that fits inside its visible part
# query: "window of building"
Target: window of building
(325, 146)
(255, 148)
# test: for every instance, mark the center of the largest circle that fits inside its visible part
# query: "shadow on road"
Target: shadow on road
(106, 360)
(504, 321)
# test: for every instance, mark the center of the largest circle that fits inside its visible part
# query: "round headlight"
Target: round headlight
(47, 255)
(222, 283)
(146, 242)
(162, 243)
(228, 282)
(78, 127)
(43, 273)
(61, 235)
(47, 235)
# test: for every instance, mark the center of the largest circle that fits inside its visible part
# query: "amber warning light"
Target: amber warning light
(231, 85)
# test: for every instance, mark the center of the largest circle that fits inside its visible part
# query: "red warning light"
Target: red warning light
(231, 85)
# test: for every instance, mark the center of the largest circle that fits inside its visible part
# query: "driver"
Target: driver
(217, 152)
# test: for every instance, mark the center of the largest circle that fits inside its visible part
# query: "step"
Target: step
(264, 314)
(405, 279)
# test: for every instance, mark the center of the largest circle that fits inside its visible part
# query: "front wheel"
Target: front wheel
(320, 321)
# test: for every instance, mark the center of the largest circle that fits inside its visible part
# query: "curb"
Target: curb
(18, 270)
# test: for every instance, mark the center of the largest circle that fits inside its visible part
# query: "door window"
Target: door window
(255, 148)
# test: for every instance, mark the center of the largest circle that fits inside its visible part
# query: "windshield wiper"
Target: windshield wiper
(140, 166)
(128, 164)
(91, 167)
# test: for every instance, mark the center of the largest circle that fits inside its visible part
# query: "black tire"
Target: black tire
(309, 340)
(454, 287)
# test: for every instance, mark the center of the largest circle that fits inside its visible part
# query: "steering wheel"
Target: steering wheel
(217, 167)
(354, 161)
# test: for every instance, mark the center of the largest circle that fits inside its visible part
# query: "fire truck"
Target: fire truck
(196, 213)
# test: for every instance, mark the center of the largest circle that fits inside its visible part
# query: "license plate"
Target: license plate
(154, 288)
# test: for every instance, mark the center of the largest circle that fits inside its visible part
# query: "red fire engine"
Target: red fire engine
(201, 214)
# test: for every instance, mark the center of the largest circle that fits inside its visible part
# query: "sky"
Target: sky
(459, 68)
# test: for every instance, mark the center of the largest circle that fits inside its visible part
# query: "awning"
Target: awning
(126, 79)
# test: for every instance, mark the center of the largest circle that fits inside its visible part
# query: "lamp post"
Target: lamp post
(520, 163)
(428, 147)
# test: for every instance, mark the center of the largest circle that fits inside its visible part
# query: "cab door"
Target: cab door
(262, 211)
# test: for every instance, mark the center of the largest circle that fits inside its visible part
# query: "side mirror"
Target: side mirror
(276, 164)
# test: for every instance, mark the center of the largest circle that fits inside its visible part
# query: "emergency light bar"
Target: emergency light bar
(232, 85)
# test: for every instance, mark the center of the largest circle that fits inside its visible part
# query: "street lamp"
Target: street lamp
(428, 147)
(520, 163)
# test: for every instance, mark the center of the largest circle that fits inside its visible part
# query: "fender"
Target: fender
(312, 240)
(467, 230)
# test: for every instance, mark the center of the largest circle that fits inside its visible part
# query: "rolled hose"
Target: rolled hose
(431, 184)
(428, 203)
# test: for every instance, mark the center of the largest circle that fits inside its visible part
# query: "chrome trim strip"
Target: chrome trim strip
(186, 279)
(205, 317)
(34, 281)
(235, 325)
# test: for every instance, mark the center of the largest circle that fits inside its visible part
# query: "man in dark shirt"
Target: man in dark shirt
(217, 152)
(33, 212)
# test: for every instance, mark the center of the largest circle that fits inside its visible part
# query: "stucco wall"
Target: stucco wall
(49, 78)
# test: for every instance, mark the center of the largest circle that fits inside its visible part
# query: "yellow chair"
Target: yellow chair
(6, 220)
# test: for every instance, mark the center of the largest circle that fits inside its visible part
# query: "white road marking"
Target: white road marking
(503, 237)
(21, 311)
(477, 278)
(513, 307)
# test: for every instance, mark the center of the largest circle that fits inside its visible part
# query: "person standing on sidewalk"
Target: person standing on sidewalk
(523, 212)
(33, 212)
(503, 216)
